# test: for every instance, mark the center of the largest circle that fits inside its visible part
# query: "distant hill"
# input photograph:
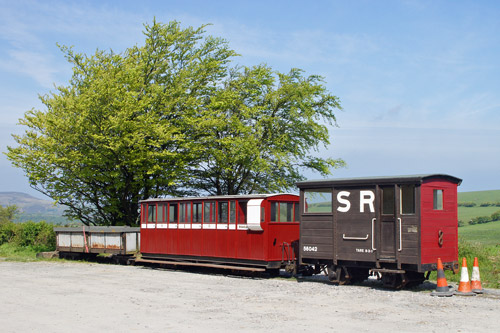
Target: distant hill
(34, 209)
(479, 197)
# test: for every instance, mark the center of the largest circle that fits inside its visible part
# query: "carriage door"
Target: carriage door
(387, 236)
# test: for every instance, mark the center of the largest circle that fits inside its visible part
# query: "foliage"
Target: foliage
(468, 213)
(490, 204)
(488, 258)
(171, 117)
(8, 213)
(120, 131)
(467, 204)
(485, 219)
(36, 235)
(260, 129)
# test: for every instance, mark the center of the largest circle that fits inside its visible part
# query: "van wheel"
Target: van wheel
(338, 274)
(392, 280)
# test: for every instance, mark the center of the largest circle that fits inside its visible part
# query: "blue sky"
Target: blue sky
(419, 81)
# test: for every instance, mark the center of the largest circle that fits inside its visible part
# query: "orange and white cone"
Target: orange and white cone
(476, 278)
(464, 288)
(442, 285)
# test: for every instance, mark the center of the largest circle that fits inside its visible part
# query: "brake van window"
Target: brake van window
(438, 199)
(318, 201)
(407, 199)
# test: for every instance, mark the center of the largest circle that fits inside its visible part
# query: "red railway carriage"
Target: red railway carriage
(395, 226)
(245, 231)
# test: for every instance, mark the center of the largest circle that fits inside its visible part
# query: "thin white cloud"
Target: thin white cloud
(36, 65)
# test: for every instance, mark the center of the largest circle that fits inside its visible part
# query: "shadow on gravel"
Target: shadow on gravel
(236, 274)
(371, 282)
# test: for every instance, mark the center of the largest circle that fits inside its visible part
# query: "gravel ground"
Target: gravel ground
(89, 297)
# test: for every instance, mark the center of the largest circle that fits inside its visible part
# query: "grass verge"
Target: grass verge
(13, 252)
(489, 262)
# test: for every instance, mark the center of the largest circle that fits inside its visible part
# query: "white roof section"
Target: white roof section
(218, 197)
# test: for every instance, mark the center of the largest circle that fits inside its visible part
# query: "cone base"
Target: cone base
(461, 293)
(449, 293)
(477, 291)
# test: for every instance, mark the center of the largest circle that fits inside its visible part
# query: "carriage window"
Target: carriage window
(209, 212)
(185, 212)
(408, 199)
(197, 212)
(284, 217)
(151, 213)
(172, 217)
(438, 199)
(296, 212)
(242, 212)
(274, 211)
(282, 211)
(388, 200)
(223, 212)
(161, 215)
(232, 212)
(182, 212)
(262, 214)
(318, 201)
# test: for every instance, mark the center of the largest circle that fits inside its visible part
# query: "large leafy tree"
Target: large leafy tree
(171, 117)
(263, 128)
(120, 131)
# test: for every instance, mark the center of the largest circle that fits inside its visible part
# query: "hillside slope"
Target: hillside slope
(28, 204)
(479, 197)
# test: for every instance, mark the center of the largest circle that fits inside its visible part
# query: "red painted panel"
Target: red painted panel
(282, 233)
(196, 242)
(209, 241)
(433, 221)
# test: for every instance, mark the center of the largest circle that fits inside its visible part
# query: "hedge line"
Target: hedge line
(39, 236)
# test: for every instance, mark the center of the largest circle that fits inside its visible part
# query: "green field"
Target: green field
(465, 214)
(486, 234)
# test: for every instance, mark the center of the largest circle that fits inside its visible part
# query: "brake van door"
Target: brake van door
(387, 226)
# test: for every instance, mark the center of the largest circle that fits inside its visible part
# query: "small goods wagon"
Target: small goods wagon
(245, 232)
(396, 227)
(88, 241)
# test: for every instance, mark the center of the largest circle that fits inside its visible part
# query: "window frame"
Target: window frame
(317, 190)
(438, 199)
(402, 200)
(276, 208)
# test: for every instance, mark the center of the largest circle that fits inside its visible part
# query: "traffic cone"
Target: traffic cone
(476, 278)
(442, 286)
(464, 288)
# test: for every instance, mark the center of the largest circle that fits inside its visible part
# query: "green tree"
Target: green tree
(261, 128)
(168, 118)
(8, 213)
(120, 131)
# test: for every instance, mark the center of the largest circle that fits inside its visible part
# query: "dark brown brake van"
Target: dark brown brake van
(395, 227)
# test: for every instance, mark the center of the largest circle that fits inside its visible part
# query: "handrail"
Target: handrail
(355, 238)
(373, 231)
(400, 235)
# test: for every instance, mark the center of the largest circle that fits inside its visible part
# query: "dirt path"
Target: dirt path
(82, 297)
